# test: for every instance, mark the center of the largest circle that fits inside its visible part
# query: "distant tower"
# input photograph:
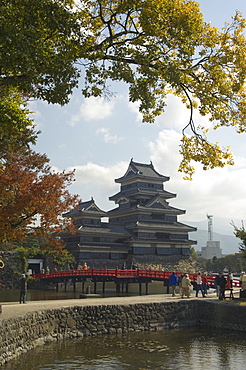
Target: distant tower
(212, 248)
(210, 228)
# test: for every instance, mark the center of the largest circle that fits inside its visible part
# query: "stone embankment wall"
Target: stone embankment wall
(167, 263)
(24, 333)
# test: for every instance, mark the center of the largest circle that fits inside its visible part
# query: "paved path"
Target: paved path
(14, 309)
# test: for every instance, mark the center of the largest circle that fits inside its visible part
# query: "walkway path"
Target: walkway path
(14, 309)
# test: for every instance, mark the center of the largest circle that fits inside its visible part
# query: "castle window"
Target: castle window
(96, 239)
(163, 251)
(139, 250)
(162, 236)
(84, 255)
(158, 216)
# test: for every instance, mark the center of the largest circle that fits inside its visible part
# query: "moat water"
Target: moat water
(12, 295)
(188, 348)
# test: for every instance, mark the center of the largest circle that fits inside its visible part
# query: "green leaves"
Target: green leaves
(16, 128)
(197, 149)
(240, 233)
(157, 47)
(38, 48)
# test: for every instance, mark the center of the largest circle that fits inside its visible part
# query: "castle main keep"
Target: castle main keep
(142, 227)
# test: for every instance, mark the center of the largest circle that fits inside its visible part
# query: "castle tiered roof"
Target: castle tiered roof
(141, 171)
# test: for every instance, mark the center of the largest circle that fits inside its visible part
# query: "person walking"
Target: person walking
(205, 284)
(23, 288)
(186, 284)
(173, 283)
(223, 282)
(180, 284)
(217, 284)
(199, 284)
(85, 267)
(230, 276)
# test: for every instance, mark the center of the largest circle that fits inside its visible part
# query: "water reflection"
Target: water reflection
(12, 295)
(189, 348)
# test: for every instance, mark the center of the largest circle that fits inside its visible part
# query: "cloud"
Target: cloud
(97, 181)
(219, 191)
(134, 108)
(98, 174)
(165, 150)
(92, 109)
(112, 139)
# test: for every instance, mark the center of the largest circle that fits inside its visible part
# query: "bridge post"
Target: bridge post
(74, 286)
(166, 284)
(127, 285)
(147, 288)
(83, 286)
(57, 287)
(140, 288)
(95, 287)
(117, 287)
(65, 285)
(103, 287)
(88, 290)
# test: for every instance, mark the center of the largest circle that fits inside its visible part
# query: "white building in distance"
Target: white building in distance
(212, 248)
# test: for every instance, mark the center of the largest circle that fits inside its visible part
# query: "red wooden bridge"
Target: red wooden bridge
(120, 277)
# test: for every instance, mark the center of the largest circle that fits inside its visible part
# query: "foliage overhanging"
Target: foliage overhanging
(157, 47)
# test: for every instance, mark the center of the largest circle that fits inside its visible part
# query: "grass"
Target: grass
(235, 302)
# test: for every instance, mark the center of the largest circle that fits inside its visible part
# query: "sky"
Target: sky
(98, 138)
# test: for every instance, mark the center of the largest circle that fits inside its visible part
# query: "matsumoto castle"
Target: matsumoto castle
(143, 227)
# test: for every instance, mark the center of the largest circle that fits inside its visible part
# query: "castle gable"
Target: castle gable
(88, 207)
(157, 202)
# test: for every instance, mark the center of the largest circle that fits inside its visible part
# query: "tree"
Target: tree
(59, 258)
(21, 257)
(157, 47)
(17, 131)
(33, 198)
(38, 48)
(162, 47)
(231, 262)
(240, 232)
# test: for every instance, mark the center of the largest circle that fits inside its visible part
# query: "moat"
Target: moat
(187, 348)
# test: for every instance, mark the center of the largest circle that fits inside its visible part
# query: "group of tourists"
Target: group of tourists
(184, 284)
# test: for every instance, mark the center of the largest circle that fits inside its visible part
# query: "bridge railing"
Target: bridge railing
(128, 273)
